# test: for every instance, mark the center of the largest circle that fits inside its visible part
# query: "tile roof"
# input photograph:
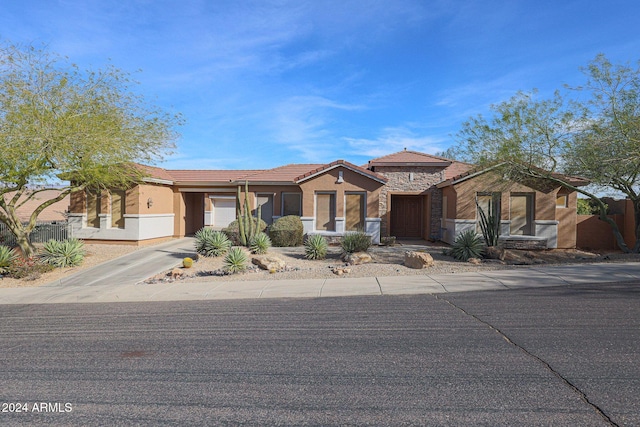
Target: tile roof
(457, 168)
(221, 176)
(348, 165)
(55, 212)
(407, 157)
(286, 173)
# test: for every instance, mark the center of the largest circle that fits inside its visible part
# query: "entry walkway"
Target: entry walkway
(121, 280)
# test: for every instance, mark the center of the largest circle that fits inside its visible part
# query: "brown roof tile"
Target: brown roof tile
(286, 173)
(348, 165)
(55, 212)
(409, 158)
(222, 176)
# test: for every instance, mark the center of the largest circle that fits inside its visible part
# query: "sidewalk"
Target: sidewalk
(120, 281)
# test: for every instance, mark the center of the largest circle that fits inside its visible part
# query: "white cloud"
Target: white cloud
(395, 139)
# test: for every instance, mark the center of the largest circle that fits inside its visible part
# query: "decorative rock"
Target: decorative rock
(269, 262)
(176, 273)
(357, 258)
(494, 252)
(340, 271)
(474, 261)
(417, 259)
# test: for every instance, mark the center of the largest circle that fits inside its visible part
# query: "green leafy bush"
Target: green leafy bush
(467, 245)
(316, 247)
(67, 253)
(357, 241)
(236, 260)
(212, 243)
(260, 244)
(7, 257)
(233, 230)
(287, 231)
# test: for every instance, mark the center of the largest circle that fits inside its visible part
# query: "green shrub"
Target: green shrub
(357, 241)
(388, 240)
(212, 243)
(67, 253)
(236, 260)
(287, 231)
(7, 258)
(260, 244)
(316, 247)
(467, 245)
(233, 231)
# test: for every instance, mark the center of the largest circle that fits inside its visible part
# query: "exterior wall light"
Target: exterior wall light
(149, 202)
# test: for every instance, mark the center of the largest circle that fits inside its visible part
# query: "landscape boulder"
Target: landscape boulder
(417, 260)
(269, 262)
(357, 258)
(494, 252)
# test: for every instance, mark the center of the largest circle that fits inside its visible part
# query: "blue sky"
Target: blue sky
(266, 83)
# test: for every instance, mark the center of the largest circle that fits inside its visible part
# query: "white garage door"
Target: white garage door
(224, 211)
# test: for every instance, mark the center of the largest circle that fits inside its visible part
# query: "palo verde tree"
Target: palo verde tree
(58, 122)
(550, 140)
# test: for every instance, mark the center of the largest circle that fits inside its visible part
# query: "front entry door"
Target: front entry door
(406, 216)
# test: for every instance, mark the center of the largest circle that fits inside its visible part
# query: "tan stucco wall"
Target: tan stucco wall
(464, 194)
(352, 182)
(161, 196)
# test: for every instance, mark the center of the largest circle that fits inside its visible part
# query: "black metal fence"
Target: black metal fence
(43, 232)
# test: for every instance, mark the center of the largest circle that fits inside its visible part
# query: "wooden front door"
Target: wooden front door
(406, 216)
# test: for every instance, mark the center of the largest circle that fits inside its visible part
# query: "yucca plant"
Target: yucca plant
(490, 222)
(260, 243)
(316, 247)
(7, 258)
(467, 245)
(236, 260)
(212, 243)
(67, 253)
(357, 241)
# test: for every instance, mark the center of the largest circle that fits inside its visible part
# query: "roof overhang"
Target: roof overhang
(335, 166)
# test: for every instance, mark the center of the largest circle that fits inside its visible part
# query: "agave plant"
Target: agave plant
(212, 243)
(67, 253)
(260, 243)
(236, 260)
(467, 245)
(7, 258)
(316, 247)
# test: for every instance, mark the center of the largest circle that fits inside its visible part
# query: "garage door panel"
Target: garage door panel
(224, 211)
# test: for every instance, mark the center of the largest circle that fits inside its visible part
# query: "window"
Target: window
(521, 214)
(93, 208)
(355, 211)
(326, 211)
(291, 204)
(490, 204)
(562, 201)
(118, 203)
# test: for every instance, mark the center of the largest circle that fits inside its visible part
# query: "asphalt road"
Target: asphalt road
(553, 356)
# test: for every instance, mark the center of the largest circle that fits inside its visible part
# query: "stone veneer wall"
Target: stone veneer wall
(424, 180)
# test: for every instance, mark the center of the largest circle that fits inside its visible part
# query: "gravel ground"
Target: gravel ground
(387, 261)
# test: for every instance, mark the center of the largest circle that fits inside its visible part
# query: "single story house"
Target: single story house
(405, 194)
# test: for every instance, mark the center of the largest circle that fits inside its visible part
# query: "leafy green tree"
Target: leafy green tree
(553, 140)
(60, 122)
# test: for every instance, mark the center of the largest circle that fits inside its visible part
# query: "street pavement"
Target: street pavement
(122, 280)
(557, 356)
